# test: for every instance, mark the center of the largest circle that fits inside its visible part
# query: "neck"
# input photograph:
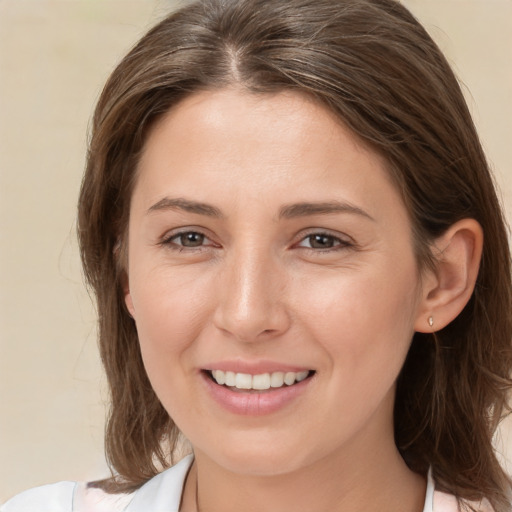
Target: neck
(362, 473)
(380, 481)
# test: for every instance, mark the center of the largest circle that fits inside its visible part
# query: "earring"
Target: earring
(431, 321)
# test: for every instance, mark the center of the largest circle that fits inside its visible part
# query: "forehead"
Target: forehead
(226, 143)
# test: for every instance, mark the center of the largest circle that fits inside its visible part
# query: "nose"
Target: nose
(251, 297)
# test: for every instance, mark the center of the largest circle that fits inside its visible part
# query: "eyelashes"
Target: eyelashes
(191, 240)
(323, 242)
(317, 241)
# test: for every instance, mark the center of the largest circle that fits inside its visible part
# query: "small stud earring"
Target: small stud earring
(431, 321)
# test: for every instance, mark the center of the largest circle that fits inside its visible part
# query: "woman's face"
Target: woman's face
(265, 240)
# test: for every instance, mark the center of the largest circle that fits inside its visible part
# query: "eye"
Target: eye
(323, 241)
(189, 239)
(186, 240)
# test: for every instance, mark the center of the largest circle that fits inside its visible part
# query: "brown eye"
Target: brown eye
(324, 242)
(321, 241)
(189, 239)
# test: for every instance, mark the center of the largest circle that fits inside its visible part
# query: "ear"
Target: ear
(128, 299)
(447, 289)
(122, 261)
(127, 295)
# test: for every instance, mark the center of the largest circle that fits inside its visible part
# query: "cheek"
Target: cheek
(366, 336)
(169, 314)
(364, 322)
(166, 300)
(170, 310)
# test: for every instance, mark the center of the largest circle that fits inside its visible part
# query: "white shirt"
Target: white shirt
(160, 494)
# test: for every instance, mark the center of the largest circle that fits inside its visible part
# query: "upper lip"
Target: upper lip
(254, 367)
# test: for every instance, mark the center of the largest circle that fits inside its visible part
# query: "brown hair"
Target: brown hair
(373, 65)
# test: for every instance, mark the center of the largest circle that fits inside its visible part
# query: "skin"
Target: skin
(255, 286)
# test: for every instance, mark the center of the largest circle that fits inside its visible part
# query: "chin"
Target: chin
(258, 465)
(258, 457)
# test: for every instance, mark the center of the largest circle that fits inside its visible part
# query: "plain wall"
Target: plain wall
(54, 59)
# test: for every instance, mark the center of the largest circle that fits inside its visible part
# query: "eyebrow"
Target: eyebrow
(290, 211)
(186, 205)
(323, 208)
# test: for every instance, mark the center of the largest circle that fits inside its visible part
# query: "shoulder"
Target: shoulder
(160, 493)
(448, 503)
(438, 501)
(47, 498)
(163, 492)
(91, 499)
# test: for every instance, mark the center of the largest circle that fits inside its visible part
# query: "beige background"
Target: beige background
(54, 58)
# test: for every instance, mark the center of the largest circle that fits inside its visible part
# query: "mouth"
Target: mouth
(245, 382)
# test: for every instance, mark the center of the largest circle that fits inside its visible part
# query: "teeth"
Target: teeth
(289, 378)
(230, 378)
(259, 382)
(277, 379)
(301, 375)
(219, 376)
(243, 381)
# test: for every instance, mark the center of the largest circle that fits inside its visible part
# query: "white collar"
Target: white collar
(429, 497)
(163, 492)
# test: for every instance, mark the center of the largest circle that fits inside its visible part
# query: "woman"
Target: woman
(300, 264)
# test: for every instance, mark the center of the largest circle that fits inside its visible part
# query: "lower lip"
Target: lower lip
(254, 403)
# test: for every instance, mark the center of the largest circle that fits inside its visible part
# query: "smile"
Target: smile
(260, 382)
(257, 393)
